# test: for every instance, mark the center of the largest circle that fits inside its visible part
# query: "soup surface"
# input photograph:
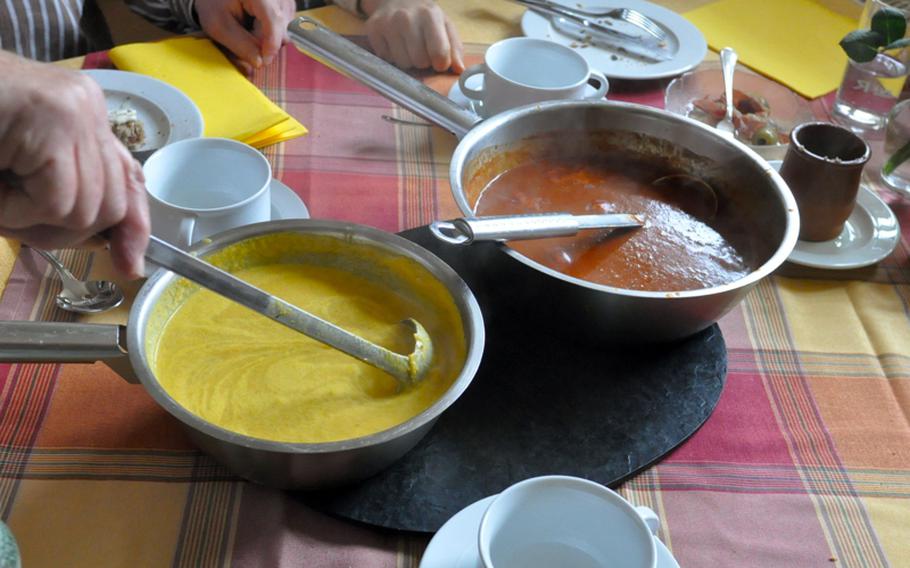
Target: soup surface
(246, 373)
(673, 251)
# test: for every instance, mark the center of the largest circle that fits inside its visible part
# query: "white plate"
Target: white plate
(167, 115)
(285, 203)
(870, 234)
(684, 41)
(455, 544)
(476, 82)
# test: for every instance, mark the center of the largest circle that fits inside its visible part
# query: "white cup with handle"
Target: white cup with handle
(201, 186)
(568, 522)
(522, 70)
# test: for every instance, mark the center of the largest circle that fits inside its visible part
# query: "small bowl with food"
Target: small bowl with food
(764, 111)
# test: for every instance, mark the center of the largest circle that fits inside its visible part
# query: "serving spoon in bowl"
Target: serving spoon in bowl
(408, 369)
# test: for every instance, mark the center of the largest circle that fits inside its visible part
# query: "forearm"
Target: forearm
(367, 6)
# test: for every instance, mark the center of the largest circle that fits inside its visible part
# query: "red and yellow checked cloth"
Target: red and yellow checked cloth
(804, 463)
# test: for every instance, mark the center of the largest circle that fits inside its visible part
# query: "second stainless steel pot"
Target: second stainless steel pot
(746, 185)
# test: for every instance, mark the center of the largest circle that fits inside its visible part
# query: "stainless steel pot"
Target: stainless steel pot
(746, 185)
(277, 464)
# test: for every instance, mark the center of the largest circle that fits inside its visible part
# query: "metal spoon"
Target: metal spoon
(728, 59)
(407, 369)
(83, 297)
(691, 194)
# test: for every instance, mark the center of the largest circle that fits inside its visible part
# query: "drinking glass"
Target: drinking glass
(869, 90)
(896, 169)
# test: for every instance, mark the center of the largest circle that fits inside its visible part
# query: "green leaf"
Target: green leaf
(862, 45)
(898, 44)
(896, 159)
(890, 23)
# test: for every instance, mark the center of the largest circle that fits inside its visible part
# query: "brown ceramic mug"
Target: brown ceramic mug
(823, 166)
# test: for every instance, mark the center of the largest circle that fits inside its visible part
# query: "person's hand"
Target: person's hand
(413, 33)
(225, 22)
(64, 176)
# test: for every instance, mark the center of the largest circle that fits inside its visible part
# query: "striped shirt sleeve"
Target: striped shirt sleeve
(172, 15)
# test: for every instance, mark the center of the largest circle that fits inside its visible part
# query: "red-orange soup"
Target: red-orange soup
(674, 251)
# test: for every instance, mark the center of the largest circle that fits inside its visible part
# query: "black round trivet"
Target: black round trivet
(544, 401)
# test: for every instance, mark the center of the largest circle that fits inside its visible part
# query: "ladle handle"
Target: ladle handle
(58, 342)
(345, 56)
(221, 282)
(464, 231)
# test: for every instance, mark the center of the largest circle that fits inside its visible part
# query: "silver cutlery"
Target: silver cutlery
(408, 369)
(464, 230)
(404, 121)
(79, 296)
(588, 19)
(586, 35)
(728, 59)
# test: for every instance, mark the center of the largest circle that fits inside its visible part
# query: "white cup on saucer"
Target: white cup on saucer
(201, 186)
(522, 70)
(568, 522)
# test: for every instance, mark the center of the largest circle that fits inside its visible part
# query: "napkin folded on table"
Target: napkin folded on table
(231, 106)
(792, 41)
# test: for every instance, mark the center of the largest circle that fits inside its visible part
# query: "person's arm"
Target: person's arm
(64, 176)
(226, 21)
(410, 33)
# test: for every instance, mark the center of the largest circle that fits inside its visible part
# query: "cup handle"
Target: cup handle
(650, 518)
(185, 232)
(468, 73)
(603, 85)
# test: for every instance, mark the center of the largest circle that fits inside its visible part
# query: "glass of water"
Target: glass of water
(896, 169)
(869, 90)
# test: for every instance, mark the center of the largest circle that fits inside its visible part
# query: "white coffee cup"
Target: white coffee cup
(201, 186)
(568, 522)
(523, 70)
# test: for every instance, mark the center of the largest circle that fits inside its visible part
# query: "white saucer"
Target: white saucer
(455, 544)
(685, 42)
(167, 115)
(285, 203)
(476, 82)
(870, 234)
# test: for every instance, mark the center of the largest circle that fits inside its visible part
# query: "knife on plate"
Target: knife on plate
(587, 35)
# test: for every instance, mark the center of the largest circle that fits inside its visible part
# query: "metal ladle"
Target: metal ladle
(407, 369)
(80, 296)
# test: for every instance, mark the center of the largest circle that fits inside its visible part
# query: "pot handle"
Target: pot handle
(347, 57)
(57, 342)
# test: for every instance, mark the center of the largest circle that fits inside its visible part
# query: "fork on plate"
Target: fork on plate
(628, 15)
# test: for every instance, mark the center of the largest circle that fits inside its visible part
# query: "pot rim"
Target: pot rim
(463, 297)
(475, 136)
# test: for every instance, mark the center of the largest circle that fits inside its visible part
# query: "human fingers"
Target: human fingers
(436, 39)
(225, 27)
(411, 29)
(397, 49)
(46, 236)
(378, 43)
(269, 27)
(129, 238)
(45, 197)
(458, 66)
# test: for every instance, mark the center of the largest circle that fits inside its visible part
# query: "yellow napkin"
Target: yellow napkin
(231, 105)
(9, 250)
(792, 41)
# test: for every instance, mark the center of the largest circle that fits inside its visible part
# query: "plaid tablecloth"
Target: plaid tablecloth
(804, 463)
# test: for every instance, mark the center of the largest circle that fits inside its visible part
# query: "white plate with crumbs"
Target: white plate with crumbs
(167, 115)
(685, 44)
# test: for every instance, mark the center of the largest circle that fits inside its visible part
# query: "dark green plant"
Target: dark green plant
(886, 32)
